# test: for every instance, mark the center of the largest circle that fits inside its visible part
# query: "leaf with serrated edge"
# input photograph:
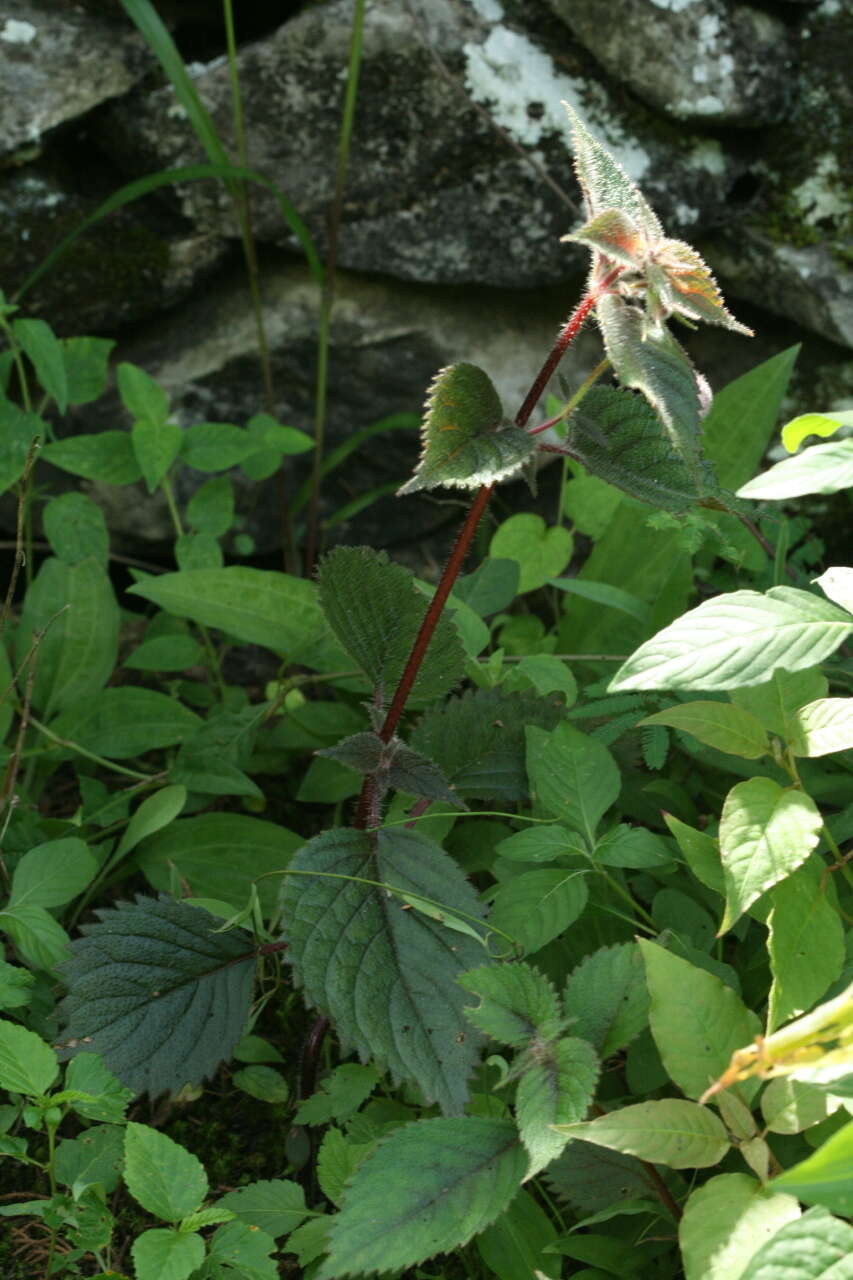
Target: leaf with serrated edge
(684, 286)
(399, 766)
(556, 1088)
(160, 997)
(160, 1254)
(517, 1002)
(737, 639)
(816, 1246)
(276, 1207)
(726, 1221)
(718, 724)
(426, 1189)
(697, 1021)
(679, 1134)
(614, 234)
(607, 999)
(806, 944)
(465, 441)
(384, 973)
(604, 183)
(161, 1175)
(766, 832)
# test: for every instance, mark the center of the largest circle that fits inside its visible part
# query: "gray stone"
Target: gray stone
(702, 60)
(57, 62)
(458, 180)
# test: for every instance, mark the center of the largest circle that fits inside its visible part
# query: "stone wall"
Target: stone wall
(732, 118)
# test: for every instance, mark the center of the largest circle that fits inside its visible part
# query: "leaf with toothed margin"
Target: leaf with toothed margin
(682, 284)
(517, 1002)
(426, 1189)
(605, 184)
(395, 764)
(157, 994)
(614, 234)
(466, 441)
(556, 1088)
(385, 973)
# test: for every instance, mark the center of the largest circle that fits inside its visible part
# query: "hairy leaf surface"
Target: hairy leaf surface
(517, 1002)
(160, 997)
(384, 972)
(556, 1088)
(607, 999)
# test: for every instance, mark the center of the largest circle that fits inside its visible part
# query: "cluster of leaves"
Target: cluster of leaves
(585, 932)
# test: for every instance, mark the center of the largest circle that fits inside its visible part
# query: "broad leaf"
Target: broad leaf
(468, 1170)
(696, 1020)
(806, 944)
(826, 1177)
(75, 528)
(542, 843)
(517, 1003)
(256, 606)
(592, 1179)
(376, 611)
(776, 702)
(537, 906)
(140, 394)
(673, 1132)
(340, 1094)
(166, 1179)
(823, 468)
(477, 740)
(86, 367)
(540, 553)
(161, 1254)
(465, 439)
(726, 1222)
(718, 724)
(572, 775)
(244, 1251)
(607, 999)
(384, 972)
(216, 446)
(27, 1064)
(40, 938)
(96, 1156)
(837, 583)
(156, 445)
(88, 1074)
(276, 1207)
(813, 1247)
(790, 1106)
(822, 727)
(701, 852)
(106, 456)
(632, 847)
(126, 721)
(52, 874)
(766, 832)
(737, 639)
(159, 996)
(513, 1246)
(556, 1088)
(45, 351)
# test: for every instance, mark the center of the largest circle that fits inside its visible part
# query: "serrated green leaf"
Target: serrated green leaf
(337, 1161)
(96, 1156)
(257, 606)
(826, 1177)
(395, 764)
(541, 553)
(375, 610)
(556, 1088)
(403, 1007)
(205, 1218)
(262, 1082)
(75, 528)
(735, 640)
(477, 740)
(161, 1254)
(220, 855)
(340, 1094)
(75, 607)
(717, 724)
(607, 999)
(16, 984)
(245, 1250)
(726, 1221)
(45, 352)
(592, 1179)
(512, 1247)
(837, 583)
(806, 944)
(161, 1175)
(823, 468)
(572, 775)
(276, 1207)
(105, 456)
(517, 1003)
(679, 1134)
(125, 721)
(813, 1247)
(52, 874)
(465, 441)
(157, 994)
(790, 1106)
(27, 1064)
(766, 832)
(469, 1169)
(615, 234)
(39, 938)
(542, 844)
(88, 1074)
(822, 727)
(604, 183)
(537, 906)
(696, 1020)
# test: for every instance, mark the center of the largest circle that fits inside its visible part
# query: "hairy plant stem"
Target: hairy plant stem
(328, 294)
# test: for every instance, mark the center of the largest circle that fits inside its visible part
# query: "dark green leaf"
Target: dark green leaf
(211, 508)
(156, 445)
(395, 764)
(75, 528)
(95, 1157)
(512, 1247)
(17, 432)
(160, 997)
(556, 1088)
(127, 721)
(491, 587)
(607, 999)
(573, 775)
(813, 1247)
(216, 446)
(86, 367)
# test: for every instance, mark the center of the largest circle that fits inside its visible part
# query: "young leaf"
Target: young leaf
(517, 1003)
(604, 183)
(166, 1179)
(735, 640)
(384, 973)
(632, 847)
(822, 727)
(27, 1064)
(465, 440)
(75, 527)
(396, 764)
(607, 999)
(718, 724)
(154, 813)
(262, 1082)
(340, 1094)
(826, 1177)
(157, 994)
(375, 610)
(696, 1020)
(160, 1254)
(105, 456)
(726, 1221)
(537, 906)
(813, 1247)
(766, 832)
(541, 553)
(673, 1132)
(469, 1169)
(806, 944)
(52, 874)
(542, 844)
(574, 776)
(823, 468)
(276, 1207)
(556, 1088)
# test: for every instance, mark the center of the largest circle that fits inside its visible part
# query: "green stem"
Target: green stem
(89, 755)
(625, 895)
(328, 293)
